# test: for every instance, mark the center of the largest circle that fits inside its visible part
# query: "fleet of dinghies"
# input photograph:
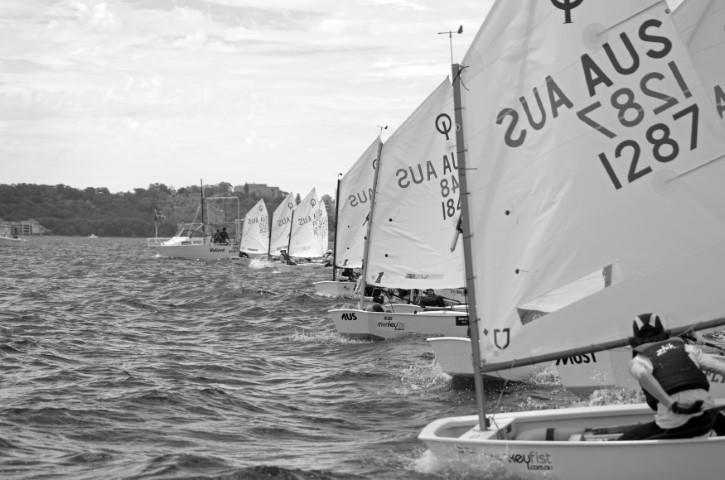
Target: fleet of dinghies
(590, 141)
(295, 231)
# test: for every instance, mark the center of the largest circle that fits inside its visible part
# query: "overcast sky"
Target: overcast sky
(125, 93)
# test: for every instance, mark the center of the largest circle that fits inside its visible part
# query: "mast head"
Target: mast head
(647, 327)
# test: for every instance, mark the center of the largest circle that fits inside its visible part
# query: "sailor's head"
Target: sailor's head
(647, 327)
(378, 298)
(429, 291)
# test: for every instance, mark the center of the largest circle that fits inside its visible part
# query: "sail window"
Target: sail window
(568, 294)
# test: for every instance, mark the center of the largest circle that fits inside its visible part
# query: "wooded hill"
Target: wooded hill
(68, 211)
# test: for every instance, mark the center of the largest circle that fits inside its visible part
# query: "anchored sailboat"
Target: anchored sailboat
(587, 142)
(194, 240)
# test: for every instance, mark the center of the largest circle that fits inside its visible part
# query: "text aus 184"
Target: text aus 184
(451, 203)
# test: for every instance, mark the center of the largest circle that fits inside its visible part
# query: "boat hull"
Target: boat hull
(455, 358)
(12, 241)
(386, 325)
(457, 442)
(335, 288)
(198, 252)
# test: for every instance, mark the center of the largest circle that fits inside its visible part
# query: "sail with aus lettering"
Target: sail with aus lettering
(280, 227)
(255, 231)
(417, 202)
(354, 200)
(589, 144)
(306, 236)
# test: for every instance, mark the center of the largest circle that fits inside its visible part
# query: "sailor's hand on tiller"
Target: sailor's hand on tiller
(687, 409)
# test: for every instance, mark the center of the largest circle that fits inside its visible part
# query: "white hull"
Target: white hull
(455, 358)
(198, 252)
(456, 442)
(386, 325)
(335, 288)
(12, 241)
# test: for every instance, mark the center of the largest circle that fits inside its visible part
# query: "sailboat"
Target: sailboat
(354, 196)
(255, 232)
(9, 236)
(279, 234)
(194, 240)
(308, 238)
(700, 24)
(413, 219)
(586, 142)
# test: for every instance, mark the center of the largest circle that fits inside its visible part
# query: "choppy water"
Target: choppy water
(115, 363)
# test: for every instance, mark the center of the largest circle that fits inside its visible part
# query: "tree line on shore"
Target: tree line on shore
(65, 210)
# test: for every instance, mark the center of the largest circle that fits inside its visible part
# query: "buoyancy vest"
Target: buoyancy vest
(672, 368)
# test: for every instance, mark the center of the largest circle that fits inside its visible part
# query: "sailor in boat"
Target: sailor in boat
(670, 374)
(377, 305)
(327, 258)
(431, 299)
(223, 236)
(286, 258)
(217, 237)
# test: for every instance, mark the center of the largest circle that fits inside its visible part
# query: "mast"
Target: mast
(337, 222)
(366, 249)
(467, 255)
(289, 238)
(270, 219)
(203, 217)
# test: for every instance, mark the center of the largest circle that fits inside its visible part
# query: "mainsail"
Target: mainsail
(417, 202)
(281, 223)
(305, 239)
(700, 23)
(354, 199)
(591, 149)
(255, 232)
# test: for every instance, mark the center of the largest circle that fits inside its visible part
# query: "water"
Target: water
(115, 363)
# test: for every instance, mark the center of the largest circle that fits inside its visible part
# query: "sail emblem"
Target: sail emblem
(444, 124)
(567, 6)
(501, 331)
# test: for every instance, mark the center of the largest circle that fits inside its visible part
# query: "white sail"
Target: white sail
(591, 149)
(304, 239)
(320, 227)
(355, 197)
(281, 223)
(255, 232)
(417, 202)
(700, 23)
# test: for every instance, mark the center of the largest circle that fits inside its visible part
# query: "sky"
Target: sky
(126, 93)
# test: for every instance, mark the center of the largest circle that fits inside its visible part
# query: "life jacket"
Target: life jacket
(672, 368)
